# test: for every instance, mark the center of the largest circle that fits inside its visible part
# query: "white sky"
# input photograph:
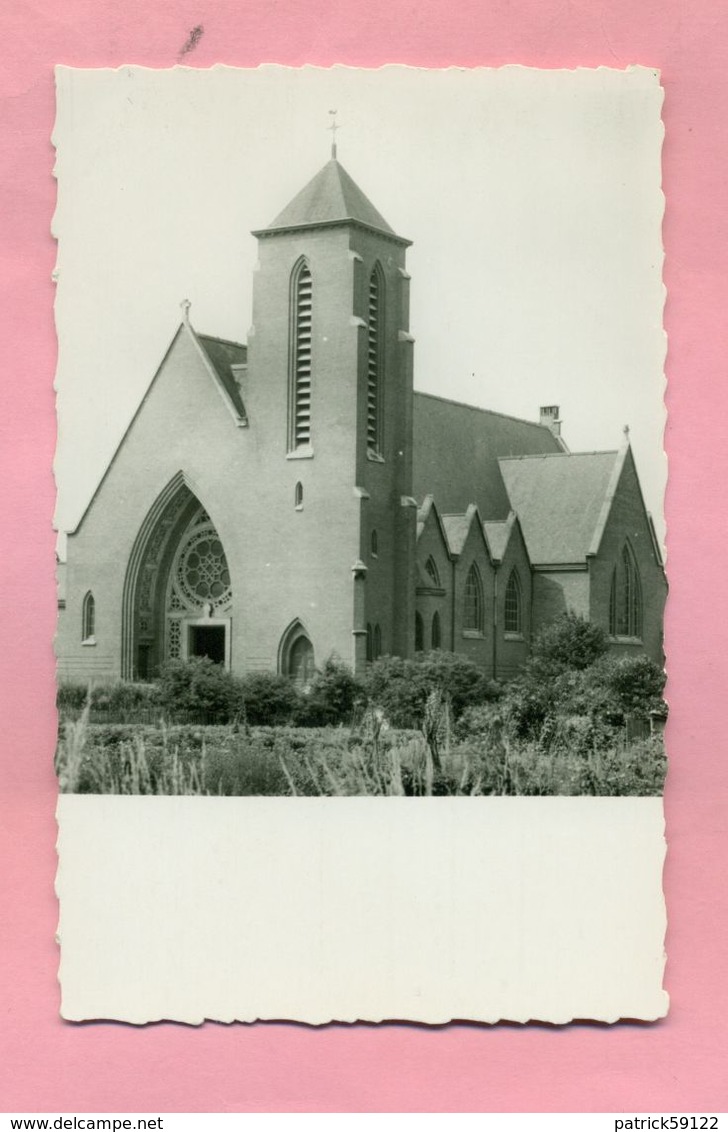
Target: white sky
(532, 197)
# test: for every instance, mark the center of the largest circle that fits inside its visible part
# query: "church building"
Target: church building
(274, 503)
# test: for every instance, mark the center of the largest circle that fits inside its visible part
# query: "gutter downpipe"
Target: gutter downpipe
(495, 620)
(452, 607)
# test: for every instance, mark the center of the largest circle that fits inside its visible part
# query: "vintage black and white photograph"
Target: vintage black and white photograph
(360, 483)
(356, 505)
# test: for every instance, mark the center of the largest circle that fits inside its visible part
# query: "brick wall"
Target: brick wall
(286, 563)
(512, 650)
(627, 519)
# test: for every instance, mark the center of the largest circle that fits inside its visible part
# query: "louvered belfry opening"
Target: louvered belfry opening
(301, 392)
(374, 376)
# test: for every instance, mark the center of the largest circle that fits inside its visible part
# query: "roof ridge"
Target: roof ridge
(480, 409)
(564, 455)
(222, 341)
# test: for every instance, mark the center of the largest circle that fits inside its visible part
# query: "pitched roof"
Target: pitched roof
(332, 197)
(456, 451)
(497, 535)
(223, 354)
(220, 354)
(561, 501)
(428, 508)
(456, 529)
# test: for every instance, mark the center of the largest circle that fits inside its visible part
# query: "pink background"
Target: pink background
(678, 1064)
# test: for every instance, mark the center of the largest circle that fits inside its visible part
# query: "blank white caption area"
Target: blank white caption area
(343, 909)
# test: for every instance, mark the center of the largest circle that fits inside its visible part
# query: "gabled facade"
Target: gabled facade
(274, 503)
(513, 595)
(592, 543)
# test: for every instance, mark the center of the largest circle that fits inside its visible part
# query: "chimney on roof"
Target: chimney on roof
(549, 417)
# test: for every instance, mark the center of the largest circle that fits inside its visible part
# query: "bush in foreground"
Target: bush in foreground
(198, 686)
(401, 687)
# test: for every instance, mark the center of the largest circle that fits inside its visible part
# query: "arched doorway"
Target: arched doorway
(198, 605)
(177, 593)
(296, 656)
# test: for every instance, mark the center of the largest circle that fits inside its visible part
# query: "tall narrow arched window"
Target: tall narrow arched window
(88, 618)
(374, 544)
(298, 497)
(375, 340)
(370, 643)
(432, 571)
(436, 633)
(377, 642)
(299, 396)
(513, 615)
(419, 633)
(473, 604)
(625, 598)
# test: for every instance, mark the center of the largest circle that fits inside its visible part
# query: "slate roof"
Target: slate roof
(561, 501)
(332, 197)
(223, 354)
(456, 530)
(497, 535)
(456, 450)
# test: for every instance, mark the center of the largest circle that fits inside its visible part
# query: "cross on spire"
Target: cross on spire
(333, 127)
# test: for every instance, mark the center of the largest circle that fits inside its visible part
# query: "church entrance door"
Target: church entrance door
(207, 640)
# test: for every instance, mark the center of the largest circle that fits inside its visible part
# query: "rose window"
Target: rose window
(202, 571)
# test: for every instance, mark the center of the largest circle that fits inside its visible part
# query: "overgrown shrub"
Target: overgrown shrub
(574, 694)
(401, 687)
(333, 696)
(71, 697)
(637, 684)
(568, 642)
(125, 697)
(118, 697)
(267, 698)
(199, 686)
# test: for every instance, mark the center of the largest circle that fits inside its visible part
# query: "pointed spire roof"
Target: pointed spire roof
(331, 198)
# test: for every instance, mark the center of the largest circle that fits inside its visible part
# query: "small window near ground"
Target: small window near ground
(377, 642)
(298, 497)
(436, 634)
(370, 644)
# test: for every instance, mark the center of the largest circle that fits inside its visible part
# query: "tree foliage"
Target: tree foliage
(401, 687)
(568, 642)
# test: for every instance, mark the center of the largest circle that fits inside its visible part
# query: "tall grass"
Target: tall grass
(372, 761)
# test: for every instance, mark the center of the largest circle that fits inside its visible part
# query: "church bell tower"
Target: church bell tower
(329, 391)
